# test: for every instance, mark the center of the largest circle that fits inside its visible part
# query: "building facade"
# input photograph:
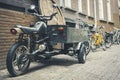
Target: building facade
(119, 10)
(99, 12)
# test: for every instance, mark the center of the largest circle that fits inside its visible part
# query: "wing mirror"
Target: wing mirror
(32, 7)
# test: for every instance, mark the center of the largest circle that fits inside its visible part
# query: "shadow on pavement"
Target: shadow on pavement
(66, 61)
(52, 62)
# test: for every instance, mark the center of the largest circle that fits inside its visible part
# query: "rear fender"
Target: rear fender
(16, 31)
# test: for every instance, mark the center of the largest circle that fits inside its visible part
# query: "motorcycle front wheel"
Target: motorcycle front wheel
(17, 59)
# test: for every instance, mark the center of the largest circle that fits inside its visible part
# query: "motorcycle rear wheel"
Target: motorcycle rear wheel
(17, 60)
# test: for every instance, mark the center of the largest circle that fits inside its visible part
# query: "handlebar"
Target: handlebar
(45, 18)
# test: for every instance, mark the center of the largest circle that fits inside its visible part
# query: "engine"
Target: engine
(39, 48)
(42, 47)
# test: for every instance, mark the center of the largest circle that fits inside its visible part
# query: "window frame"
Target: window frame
(62, 3)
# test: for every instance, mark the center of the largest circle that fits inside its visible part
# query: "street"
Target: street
(100, 65)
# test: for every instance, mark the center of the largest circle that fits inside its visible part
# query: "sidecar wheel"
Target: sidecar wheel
(17, 60)
(82, 54)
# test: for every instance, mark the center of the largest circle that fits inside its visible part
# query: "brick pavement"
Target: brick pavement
(100, 65)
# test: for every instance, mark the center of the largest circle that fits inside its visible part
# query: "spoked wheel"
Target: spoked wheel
(118, 40)
(108, 43)
(82, 54)
(17, 59)
(103, 46)
(114, 40)
(93, 46)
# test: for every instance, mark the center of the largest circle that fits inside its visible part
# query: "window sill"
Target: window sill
(69, 20)
(91, 17)
(102, 20)
(83, 14)
(70, 9)
(111, 22)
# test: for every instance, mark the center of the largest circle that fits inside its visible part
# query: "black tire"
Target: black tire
(87, 46)
(82, 54)
(118, 40)
(103, 46)
(15, 59)
(92, 46)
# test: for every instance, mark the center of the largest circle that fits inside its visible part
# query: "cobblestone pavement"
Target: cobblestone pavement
(100, 65)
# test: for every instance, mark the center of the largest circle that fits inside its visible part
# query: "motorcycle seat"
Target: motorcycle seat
(28, 30)
(39, 28)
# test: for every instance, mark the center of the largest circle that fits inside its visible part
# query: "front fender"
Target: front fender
(79, 45)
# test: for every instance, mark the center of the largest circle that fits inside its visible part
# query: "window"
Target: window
(119, 3)
(61, 2)
(109, 10)
(80, 5)
(88, 6)
(101, 10)
(68, 3)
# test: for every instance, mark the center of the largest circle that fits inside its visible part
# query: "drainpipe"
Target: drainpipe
(95, 13)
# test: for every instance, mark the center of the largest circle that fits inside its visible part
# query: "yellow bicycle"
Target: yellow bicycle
(97, 40)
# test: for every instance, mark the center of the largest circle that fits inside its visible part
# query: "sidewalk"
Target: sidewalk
(100, 65)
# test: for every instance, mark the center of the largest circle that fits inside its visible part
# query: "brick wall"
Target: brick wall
(8, 19)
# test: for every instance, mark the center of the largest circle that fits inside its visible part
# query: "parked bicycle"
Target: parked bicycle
(108, 39)
(116, 36)
(97, 38)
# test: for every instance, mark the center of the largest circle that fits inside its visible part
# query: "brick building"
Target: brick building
(98, 12)
(11, 14)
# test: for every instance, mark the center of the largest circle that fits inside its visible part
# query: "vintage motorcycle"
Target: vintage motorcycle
(32, 40)
(36, 43)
